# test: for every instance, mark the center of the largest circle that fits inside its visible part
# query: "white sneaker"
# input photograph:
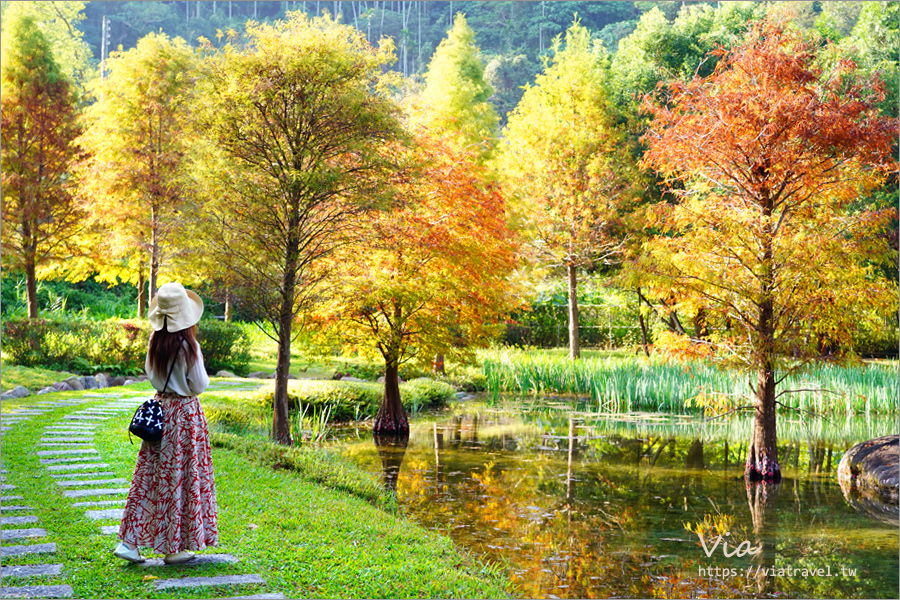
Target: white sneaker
(178, 558)
(122, 551)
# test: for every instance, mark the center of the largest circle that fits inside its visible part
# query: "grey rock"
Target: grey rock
(128, 382)
(117, 381)
(56, 461)
(12, 507)
(872, 469)
(224, 373)
(7, 396)
(272, 596)
(36, 591)
(11, 534)
(142, 378)
(76, 383)
(109, 529)
(90, 382)
(381, 380)
(102, 380)
(19, 391)
(258, 375)
(200, 559)
(187, 582)
(348, 378)
(31, 570)
(27, 549)
(62, 386)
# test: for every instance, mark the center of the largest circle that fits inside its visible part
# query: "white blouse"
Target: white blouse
(184, 382)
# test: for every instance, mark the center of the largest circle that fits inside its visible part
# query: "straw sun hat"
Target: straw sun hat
(174, 308)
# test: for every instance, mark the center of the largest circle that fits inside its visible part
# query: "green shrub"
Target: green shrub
(225, 346)
(117, 346)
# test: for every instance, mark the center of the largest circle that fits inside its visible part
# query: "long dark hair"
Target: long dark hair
(164, 345)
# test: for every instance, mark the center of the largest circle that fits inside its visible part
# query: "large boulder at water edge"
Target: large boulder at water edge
(869, 475)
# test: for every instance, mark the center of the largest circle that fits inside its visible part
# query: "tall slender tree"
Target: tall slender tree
(137, 158)
(771, 151)
(563, 156)
(40, 216)
(301, 132)
(455, 97)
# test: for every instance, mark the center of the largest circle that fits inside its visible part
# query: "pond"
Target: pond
(576, 504)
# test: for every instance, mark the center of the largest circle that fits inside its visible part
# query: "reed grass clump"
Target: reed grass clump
(619, 384)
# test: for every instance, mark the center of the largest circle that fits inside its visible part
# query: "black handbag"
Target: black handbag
(147, 421)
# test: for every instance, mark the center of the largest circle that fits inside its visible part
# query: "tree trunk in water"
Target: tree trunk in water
(391, 418)
(391, 449)
(763, 512)
(574, 339)
(762, 454)
(142, 299)
(643, 324)
(438, 364)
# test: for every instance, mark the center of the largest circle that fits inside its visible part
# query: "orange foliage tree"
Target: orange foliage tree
(428, 277)
(771, 150)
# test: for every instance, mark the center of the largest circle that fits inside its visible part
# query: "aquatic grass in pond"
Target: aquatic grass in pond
(625, 384)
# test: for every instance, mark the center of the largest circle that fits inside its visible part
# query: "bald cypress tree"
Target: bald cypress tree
(455, 98)
(38, 128)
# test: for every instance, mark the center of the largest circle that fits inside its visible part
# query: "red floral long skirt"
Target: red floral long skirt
(171, 505)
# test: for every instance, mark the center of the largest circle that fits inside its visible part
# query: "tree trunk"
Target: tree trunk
(154, 250)
(643, 324)
(574, 339)
(229, 308)
(438, 364)
(142, 300)
(391, 418)
(31, 285)
(281, 424)
(762, 455)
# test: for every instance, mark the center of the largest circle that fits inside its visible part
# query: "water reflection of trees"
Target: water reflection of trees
(580, 514)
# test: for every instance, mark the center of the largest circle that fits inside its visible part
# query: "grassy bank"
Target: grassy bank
(312, 527)
(32, 378)
(617, 383)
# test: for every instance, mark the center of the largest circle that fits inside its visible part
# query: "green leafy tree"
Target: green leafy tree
(300, 132)
(563, 156)
(59, 22)
(40, 216)
(455, 97)
(137, 159)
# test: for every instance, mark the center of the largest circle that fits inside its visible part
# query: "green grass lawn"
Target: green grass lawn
(32, 378)
(340, 538)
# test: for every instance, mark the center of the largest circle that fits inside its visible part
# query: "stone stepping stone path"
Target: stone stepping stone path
(191, 582)
(14, 534)
(66, 451)
(27, 549)
(36, 591)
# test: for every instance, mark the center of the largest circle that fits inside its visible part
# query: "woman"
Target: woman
(171, 506)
